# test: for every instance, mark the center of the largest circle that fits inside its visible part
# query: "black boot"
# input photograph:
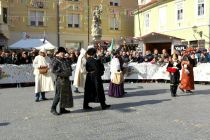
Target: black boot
(174, 90)
(104, 106)
(43, 96)
(54, 112)
(171, 89)
(86, 106)
(63, 111)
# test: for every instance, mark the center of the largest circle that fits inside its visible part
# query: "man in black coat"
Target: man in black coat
(94, 91)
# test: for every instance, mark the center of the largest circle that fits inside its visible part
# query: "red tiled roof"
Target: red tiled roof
(148, 4)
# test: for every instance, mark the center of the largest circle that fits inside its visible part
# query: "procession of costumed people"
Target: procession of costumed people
(88, 75)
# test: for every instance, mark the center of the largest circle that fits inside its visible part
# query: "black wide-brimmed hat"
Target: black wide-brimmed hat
(91, 51)
(61, 49)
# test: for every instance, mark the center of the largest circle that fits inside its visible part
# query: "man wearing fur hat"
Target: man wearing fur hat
(61, 67)
(43, 76)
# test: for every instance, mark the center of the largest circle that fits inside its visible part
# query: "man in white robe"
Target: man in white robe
(80, 72)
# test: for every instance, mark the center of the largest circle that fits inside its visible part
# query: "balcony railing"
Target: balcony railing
(39, 4)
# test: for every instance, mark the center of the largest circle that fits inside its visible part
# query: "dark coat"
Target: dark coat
(62, 70)
(174, 77)
(94, 91)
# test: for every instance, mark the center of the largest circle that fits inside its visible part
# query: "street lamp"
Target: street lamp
(195, 30)
(58, 23)
(88, 3)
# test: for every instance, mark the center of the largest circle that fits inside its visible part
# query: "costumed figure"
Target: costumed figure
(116, 87)
(187, 79)
(61, 67)
(80, 72)
(44, 79)
(94, 91)
(173, 68)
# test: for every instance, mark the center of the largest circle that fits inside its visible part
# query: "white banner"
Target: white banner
(24, 73)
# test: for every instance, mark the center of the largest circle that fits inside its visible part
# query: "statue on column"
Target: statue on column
(96, 23)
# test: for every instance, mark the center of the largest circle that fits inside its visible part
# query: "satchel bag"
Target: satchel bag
(43, 70)
(118, 78)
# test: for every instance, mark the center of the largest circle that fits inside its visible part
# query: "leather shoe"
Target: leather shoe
(37, 100)
(54, 112)
(104, 107)
(63, 111)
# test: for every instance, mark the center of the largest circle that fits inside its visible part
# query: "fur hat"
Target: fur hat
(91, 51)
(61, 49)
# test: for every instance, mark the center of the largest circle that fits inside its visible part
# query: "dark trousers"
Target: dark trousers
(40, 93)
(173, 89)
(56, 98)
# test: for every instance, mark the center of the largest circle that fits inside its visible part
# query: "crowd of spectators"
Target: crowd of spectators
(201, 55)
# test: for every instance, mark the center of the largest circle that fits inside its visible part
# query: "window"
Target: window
(114, 2)
(74, 8)
(4, 15)
(74, 21)
(36, 18)
(179, 11)
(73, 45)
(162, 17)
(114, 23)
(201, 8)
(73, 0)
(146, 20)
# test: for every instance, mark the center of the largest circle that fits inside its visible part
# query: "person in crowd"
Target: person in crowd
(164, 54)
(115, 90)
(50, 55)
(63, 93)
(107, 57)
(203, 58)
(24, 59)
(193, 59)
(187, 79)
(148, 57)
(72, 57)
(94, 91)
(156, 54)
(43, 81)
(7, 58)
(173, 68)
(14, 58)
(1, 57)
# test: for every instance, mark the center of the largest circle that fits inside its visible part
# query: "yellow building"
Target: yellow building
(175, 22)
(38, 18)
(4, 30)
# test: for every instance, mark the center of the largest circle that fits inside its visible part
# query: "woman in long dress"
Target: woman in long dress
(187, 79)
(43, 82)
(115, 90)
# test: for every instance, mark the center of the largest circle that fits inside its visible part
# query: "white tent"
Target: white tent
(28, 44)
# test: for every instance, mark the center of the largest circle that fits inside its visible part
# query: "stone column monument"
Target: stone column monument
(96, 30)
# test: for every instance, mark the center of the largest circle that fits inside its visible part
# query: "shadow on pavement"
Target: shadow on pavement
(4, 124)
(127, 107)
(146, 92)
(195, 92)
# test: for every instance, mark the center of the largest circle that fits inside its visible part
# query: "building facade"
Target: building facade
(38, 19)
(188, 20)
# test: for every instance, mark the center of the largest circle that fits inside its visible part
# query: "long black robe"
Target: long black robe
(94, 91)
